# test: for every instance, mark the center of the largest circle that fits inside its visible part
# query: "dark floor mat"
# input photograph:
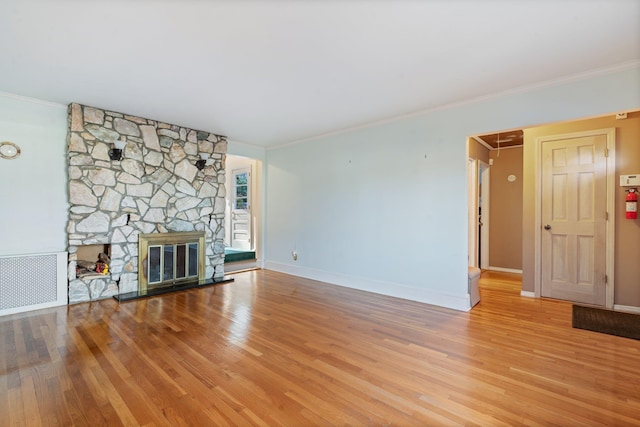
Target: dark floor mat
(606, 321)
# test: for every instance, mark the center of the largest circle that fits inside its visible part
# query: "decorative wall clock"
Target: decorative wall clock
(9, 150)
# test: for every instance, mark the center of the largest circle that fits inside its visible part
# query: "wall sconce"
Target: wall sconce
(200, 164)
(116, 153)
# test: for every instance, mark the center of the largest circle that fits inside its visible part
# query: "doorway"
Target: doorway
(243, 213)
(498, 198)
(241, 209)
(530, 220)
(478, 216)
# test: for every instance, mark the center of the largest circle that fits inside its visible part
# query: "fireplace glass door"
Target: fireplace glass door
(170, 258)
(168, 263)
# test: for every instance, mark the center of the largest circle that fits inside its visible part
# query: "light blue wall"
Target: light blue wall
(33, 187)
(391, 221)
(385, 208)
(236, 148)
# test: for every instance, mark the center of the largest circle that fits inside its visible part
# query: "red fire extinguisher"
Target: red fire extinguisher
(632, 203)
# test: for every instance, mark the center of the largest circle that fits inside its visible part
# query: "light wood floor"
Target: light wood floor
(271, 349)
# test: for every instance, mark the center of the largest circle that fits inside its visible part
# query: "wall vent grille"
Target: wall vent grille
(28, 280)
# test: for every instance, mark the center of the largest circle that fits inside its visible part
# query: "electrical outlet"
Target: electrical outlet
(294, 255)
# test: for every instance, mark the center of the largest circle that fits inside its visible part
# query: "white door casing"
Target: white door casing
(241, 209)
(574, 217)
(484, 173)
(478, 171)
(472, 214)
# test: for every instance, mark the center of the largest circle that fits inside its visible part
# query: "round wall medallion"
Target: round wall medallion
(9, 150)
(511, 178)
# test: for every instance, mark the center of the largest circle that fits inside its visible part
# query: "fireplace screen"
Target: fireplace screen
(169, 262)
(168, 258)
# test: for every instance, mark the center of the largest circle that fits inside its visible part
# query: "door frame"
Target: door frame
(248, 170)
(610, 133)
(485, 172)
(475, 168)
(472, 212)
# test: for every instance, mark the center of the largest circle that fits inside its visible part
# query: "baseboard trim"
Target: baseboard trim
(627, 308)
(527, 294)
(505, 270)
(455, 302)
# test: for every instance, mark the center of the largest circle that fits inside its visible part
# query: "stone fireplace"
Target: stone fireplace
(154, 188)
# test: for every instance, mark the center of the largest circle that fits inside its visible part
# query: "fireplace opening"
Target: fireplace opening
(93, 260)
(170, 258)
(170, 262)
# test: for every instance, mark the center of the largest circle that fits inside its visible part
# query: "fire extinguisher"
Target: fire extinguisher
(632, 203)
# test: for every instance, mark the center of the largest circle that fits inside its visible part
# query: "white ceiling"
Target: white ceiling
(272, 72)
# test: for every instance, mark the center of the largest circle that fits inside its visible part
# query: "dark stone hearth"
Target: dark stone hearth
(172, 288)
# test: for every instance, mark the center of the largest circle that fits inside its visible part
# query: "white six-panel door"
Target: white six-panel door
(573, 218)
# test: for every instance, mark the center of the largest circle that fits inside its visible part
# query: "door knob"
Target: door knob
(547, 227)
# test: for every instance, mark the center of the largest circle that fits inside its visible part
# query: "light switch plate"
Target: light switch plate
(630, 180)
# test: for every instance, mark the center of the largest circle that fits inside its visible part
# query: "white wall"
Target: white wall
(367, 209)
(33, 187)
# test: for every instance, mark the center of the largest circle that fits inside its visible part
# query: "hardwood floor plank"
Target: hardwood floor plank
(276, 350)
(17, 416)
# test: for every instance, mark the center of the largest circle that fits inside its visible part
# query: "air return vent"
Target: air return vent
(32, 281)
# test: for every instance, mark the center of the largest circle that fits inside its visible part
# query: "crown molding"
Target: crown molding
(31, 100)
(597, 72)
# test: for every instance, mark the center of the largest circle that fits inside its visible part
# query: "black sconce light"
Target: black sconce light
(200, 164)
(116, 152)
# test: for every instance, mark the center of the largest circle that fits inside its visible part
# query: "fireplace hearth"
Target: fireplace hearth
(161, 290)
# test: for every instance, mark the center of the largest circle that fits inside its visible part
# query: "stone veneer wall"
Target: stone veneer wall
(155, 188)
